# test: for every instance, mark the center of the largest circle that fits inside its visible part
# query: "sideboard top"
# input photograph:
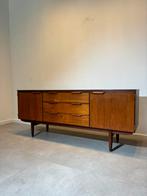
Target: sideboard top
(83, 90)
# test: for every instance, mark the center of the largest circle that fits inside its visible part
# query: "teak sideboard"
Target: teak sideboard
(114, 111)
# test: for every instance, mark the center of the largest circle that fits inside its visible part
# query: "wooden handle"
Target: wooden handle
(36, 93)
(98, 92)
(76, 92)
(54, 113)
(52, 92)
(53, 102)
(77, 115)
(76, 103)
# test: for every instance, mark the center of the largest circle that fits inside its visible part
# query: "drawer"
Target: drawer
(68, 108)
(71, 119)
(75, 96)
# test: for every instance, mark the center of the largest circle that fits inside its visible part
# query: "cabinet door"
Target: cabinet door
(112, 110)
(30, 106)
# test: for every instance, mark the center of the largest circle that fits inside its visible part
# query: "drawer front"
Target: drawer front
(71, 119)
(68, 108)
(75, 96)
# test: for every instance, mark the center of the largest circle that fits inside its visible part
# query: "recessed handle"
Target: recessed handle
(76, 92)
(76, 103)
(53, 102)
(77, 115)
(52, 92)
(38, 93)
(98, 92)
(54, 113)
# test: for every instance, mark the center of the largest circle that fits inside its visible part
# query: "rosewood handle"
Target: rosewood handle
(53, 102)
(52, 92)
(36, 93)
(76, 92)
(76, 104)
(54, 113)
(77, 115)
(98, 92)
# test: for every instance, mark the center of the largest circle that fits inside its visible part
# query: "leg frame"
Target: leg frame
(110, 140)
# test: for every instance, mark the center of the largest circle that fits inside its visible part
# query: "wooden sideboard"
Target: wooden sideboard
(114, 111)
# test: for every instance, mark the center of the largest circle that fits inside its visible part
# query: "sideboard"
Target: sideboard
(114, 111)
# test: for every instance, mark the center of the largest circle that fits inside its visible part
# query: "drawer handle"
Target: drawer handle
(76, 103)
(52, 92)
(52, 102)
(77, 115)
(98, 92)
(76, 92)
(54, 113)
(37, 93)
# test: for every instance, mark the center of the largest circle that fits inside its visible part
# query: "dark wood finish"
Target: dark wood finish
(114, 111)
(32, 129)
(117, 138)
(30, 106)
(110, 140)
(47, 127)
(107, 110)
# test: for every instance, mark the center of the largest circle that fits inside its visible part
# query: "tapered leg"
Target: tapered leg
(32, 129)
(110, 140)
(117, 138)
(47, 127)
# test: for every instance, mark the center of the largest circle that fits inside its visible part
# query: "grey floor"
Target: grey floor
(64, 165)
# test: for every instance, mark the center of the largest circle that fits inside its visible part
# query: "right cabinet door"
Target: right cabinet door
(112, 110)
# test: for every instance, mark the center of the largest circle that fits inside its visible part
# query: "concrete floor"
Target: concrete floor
(63, 165)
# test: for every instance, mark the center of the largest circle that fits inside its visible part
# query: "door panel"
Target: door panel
(99, 110)
(114, 111)
(30, 106)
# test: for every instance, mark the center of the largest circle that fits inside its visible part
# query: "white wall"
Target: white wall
(5, 68)
(79, 44)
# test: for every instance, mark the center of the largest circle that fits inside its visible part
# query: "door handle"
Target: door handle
(76, 103)
(53, 102)
(76, 92)
(38, 93)
(54, 113)
(98, 92)
(77, 115)
(52, 92)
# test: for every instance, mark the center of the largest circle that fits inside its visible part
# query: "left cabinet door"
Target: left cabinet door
(30, 106)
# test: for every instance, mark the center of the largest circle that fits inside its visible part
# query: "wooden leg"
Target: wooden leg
(117, 138)
(110, 140)
(32, 129)
(47, 127)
